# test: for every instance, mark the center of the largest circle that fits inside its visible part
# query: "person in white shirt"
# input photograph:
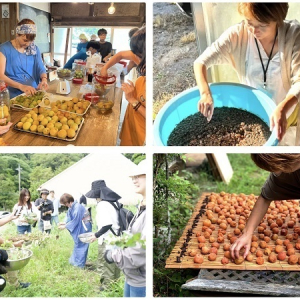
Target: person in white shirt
(24, 208)
(56, 206)
(106, 219)
(264, 51)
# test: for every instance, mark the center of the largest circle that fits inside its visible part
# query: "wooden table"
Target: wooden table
(98, 129)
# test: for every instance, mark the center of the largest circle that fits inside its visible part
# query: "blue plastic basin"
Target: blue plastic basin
(224, 94)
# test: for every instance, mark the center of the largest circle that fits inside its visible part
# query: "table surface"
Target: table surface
(98, 129)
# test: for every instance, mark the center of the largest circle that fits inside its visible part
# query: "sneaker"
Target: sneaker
(24, 285)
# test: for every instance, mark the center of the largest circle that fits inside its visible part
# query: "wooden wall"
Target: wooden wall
(7, 25)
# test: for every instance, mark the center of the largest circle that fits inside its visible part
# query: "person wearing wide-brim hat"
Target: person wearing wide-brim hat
(45, 206)
(132, 260)
(106, 218)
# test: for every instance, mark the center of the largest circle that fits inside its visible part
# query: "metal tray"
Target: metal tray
(53, 137)
(54, 98)
(18, 106)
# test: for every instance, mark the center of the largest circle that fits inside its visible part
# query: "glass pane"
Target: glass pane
(121, 39)
(60, 35)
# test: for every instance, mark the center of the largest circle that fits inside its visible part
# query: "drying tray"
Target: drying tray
(187, 262)
(53, 137)
(53, 98)
(19, 106)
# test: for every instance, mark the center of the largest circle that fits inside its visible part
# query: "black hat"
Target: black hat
(100, 190)
(44, 191)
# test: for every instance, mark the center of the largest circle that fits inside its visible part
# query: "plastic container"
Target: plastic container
(224, 94)
(4, 104)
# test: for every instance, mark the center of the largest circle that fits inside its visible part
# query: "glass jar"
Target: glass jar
(4, 104)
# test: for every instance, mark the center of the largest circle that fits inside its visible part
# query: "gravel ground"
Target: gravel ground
(174, 51)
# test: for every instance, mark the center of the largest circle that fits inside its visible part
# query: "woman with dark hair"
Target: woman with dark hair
(24, 207)
(264, 51)
(283, 183)
(78, 222)
(133, 132)
(21, 65)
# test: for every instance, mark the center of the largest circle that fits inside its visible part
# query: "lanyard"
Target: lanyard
(270, 57)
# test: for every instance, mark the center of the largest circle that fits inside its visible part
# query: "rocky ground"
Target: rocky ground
(174, 51)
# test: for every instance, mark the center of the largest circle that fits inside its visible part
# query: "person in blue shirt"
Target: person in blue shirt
(83, 43)
(21, 65)
(94, 47)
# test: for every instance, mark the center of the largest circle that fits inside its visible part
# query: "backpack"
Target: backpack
(124, 215)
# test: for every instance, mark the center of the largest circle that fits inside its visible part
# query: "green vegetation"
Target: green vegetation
(174, 200)
(50, 273)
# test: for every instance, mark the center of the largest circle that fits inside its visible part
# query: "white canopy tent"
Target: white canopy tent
(113, 168)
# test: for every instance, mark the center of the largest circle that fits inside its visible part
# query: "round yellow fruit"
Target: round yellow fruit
(74, 126)
(71, 133)
(50, 125)
(70, 122)
(51, 113)
(26, 125)
(40, 117)
(55, 118)
(47, 102)
(44, 122)
(24, 119)
(20, 125)
(33, 128)
(41, 110)
(58, 125)
(64, 120)
(64, 106)
(62, 134)
(79, 104)
(53, 131)
(40, 128)
(46, 131)
(77, 120)
(30, 120)
(36, 122)
(65, 127)
(75, 100)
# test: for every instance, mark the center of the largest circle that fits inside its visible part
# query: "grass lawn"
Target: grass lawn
(247, 177)
(50, 273)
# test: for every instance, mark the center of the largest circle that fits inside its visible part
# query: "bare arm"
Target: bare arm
(205, 105)
(278, 118)
(259, 210)
(128, 55)
(24, 88)
(8, 219)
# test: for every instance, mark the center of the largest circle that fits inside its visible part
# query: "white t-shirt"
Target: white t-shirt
(255, 75)
(106, 214)
(24, 211)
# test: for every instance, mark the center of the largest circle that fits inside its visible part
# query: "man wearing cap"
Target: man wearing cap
(106, 218)
(93, 38)
(45, 206)
(132, 260)
(83, 43)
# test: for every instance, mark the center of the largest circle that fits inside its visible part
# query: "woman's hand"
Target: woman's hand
(206, 106)
(128, 89)
(18, 243)
(4, 129)
(243, 242)
(93, 238)
(43, 84)
(278, 121)
(61, 226)
(103, 72)
(28, 90)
